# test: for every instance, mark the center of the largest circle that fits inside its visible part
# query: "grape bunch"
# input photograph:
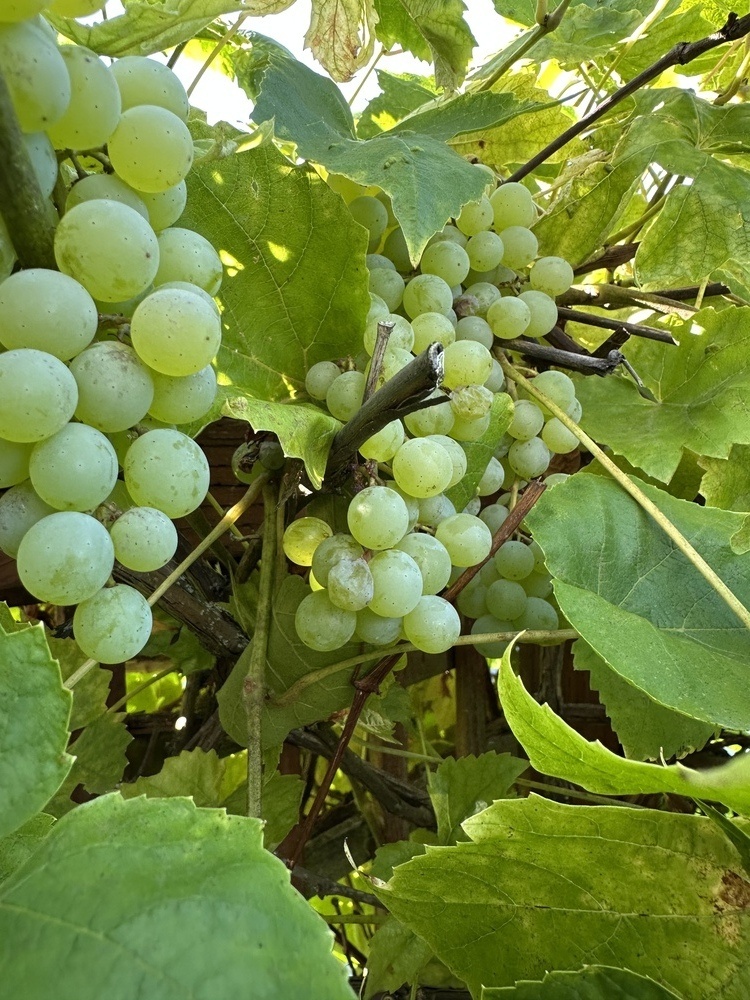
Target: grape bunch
(103, 358)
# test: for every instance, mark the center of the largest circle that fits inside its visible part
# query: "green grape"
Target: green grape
(485, 294)
(350, 584)
(427, 293)
(431, 328)
(496, 381)
(20, 508)
(412, 504)
(434, 510)
(114, 625)
(540, 565)
(467, 539)
(551, 275)
(558, 438)
(512, 205)
(389, 285)
(494, 516)
(175, 332)
(476, 329)
(378, 518)
(146, 81)
(472, 601)
(47, 311)
(529, 459)
(74, 469)
(475, 217)
(520, 245)
(485, 251)
(35, 73)
(65, 558)
(165, 207)
(43, 160)
(245, 466)
(106, 186)
(7, 251)
(94, 109)
(75, 8)
(322, 626)
(320, 377)
(473, 506)
(492, 479)
(422, 468)
(575, 411)
(470, 429)
(514, 560)
(344, 186)
(167, 470)
(302, 537)
(376, 630)
(115, 390)
(329, 551)
(344, 397)
(107, 247)
(433, 626)
(151, 148)
(488, 574)
(401, 336)
(381, 447)
(377, 260)
(432, 558)
(188, 256)
(38, 395)
(506, 599)
(488, 624)
(144, 539)
(397, 583)
(456, 453)
(435, 419)
(395, 249)
(489, 175)
(509, 317)
(557, 387)
(186, 286)
(543, 313)
(385, 200)
(271, 455)
(450, 233)
(14, 462)
(471, 402)
(370, 213)
(527, 420)
(539, 615)
(447, 260)
(21, 10)
(183, 400)
(466, 363)
(537, 584)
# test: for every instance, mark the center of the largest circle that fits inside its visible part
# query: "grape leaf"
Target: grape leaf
(99, 761)
(341, 36)
(597, 982)
(90, 692)
(478, 453)
(640, 604)
(396, 956)
(282, 794)
(635, 888)
(156, 897)
(400, 94)
(726, 482)
(17, 848)
(461, 787)
(590, 30)
(202, 774)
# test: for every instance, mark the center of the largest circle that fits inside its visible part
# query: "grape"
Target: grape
(494, 516)
(492, 479)
(175, 332)
(401, 336)
(488, 624)
(474, 328)
(151, 148)
(378, 518)
(485, 251)
(472, 599)
(389, 285)
(488, 574)
(376, 630)
(558, 438)
(144, 539)
(320, 377)
(450, 233)
(75, 8)
(471, 402)
(394, 360)
(512, 205)
(107, 247)
(529, 459)
(422, 468)
(475, 217)
(432, 558)
(514, 560)
(575, 411)
(427, 293)
(329, 551)
(489, 175)
(436, 419)
(302, 537)
(434, 510)
(381, 447)
(457, 456)
(431, 328)
(433, 626)
(520, 245)
(377, 260)
(14, 462)
(38, 395)
(165, 207)
(503, 446)
(65, 558)
(397, 582)
(115, 390)
(113, 625)
(43, 160)
(350, 584)
(370, 213)
(470, 429)
(537, 584)
(473, 506)
(74, 469)
(167, 470)
(557, 387)
(539, 615)
(543, 313)
(506, 599)
(395, 249)
(551, 275)
(7, 251)
(106, 186)
(412, 504)
(146, 81)
(20, 508)
(344, 186)
(321, 625)
(509, 317)
(94, 109)
(447, 260)
(35, 73)
(540, 565)
(21, 10)
(466, 363)
(47, 311)
(485, 294)
(467, 539)
(496, 380)
(182, 400)
(188, 256)
(527, 420)
(344, 397)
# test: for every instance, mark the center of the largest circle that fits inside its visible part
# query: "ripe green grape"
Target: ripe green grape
(302, 537)
(376, 630)
(401, 336)
(432, 558)
(14, 462)
(182, 400)
(488, 574)
(35, 73)
(456, 453)
(575, 411)
(188, 256)
(434, 510)
(144, 539)
(494, 516)
(527, 421)
(485, 251)
(471, 402)
(389, 285)
(447, 260)
(512, 205)
(320, 377)
(47, 311)
(412, 504)
(509, 317)
(329, 551)
(467, 539)
(395, 249)
(74, 469)
(514, 560)
(433, 626)
(370, 213)
(539, 614)
(21, 10)
(344, 397)
(537, 584)
(529, 459)
(472, 601)
(551, 275)
(466, 363)
(322, 626)
(114, 625)
(470, 428)
(558, 438)
(397, 583)
(422, 468)
(381, 447)
(94, 109)
(557, 386)
(543, 313)
(175, 332)
(65, 558)
(38, 395)
(378, 518)
(165, 207)
(484, 293)
(435, 419)
(427, 293)
(488, 624)
(167, 470)
(496, 380)
(115, 390)
(450, 233)
(506, 599)
(146, 81)
(350, 584)
(475, 217)
(107, 247)
(187, 286)
(377, 261)
(75, 8)
(151, 148)
(492, 479)
(106, 186)
(520, 245)
(20, 508)
(43, 160)
(475, 328)
(431, 328)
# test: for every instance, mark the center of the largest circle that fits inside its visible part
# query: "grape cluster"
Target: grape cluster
(104, 357)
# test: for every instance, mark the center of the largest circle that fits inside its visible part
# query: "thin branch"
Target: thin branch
(587, 364)
(310, 884)
(516, 50)
(227, 37)
(620, 296)
(368, 72)
(603, 323)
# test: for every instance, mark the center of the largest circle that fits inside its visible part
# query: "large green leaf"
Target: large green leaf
(641, 604)
(295, 291)
(400, 94)
(590, 29)
(17, 848)
(701, 388)
(549, 886)
(155, 897)
(726, 482)
(99, 761)
(35, 712)
(478, 453)
(432, 30)
(461, 787)
(597, 982)
(203, 775)
(556, 749)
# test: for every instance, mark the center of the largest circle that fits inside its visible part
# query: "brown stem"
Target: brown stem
(634, 329)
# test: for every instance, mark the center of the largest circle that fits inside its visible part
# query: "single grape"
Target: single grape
(494, 516)
(35, 73)
(395, 249)
(492, 479)
(447, 260)
(329, 551)
(472, 599)
(471, 402)
(65, 558)
(539, 615)
(557, 386)
(188, 256)
(376, 630)
(372, 214)
(165, 207)
(183, 400)
(14, 462)
(514, 560)
(38, 395)
(43, 160)
(20, 508)
(114, 625)
(115, 390)
(537, 584)
(433, 626)
(466, 363)
(381, 447)
(144, 539)
(389, 285)
(321, 625)
(94, 109)
(529, 459)
(509, 317)
(475, 217)
(106, 186)
(377, 260)
(496, 380)
(378, 518)
(21, 10)
(551, 275)
(558, 438)
(467, 539)
(397, 583)
(456, 453)
(450, 233)
(422, 468)
(401, 336)
(167, 470)
(432, 558)
(151, 148)
(320, 377)
(486, 625)
(427, 293)
(302, 537)
(47, 311)
(187, 286)
(475, 328)
(412, 504)
(527, 420)
(431, 328)
(434, 510)
(506, 599)
(471, 428)
(485, 251)
(345, 394)
(512, 205)
(350, 584)
(74, 469)
(146, 81)
(175, 332)
(435, 419)
(520, 247)
(543, 313)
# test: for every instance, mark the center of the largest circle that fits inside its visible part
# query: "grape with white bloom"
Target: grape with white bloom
(557, 386)
(427, 293)
(447, 260)
(475, 328)
(144, 539)
(486, 625)
(165, 207)
(383, 445)
(378, 518)
(114, 625)
(494, 516)
(388, 284)
(320, 377)
(527, 420)
(329, 551)
(65, 558)
(512, 205)
(434, 510)
(506, 599)
(433, 626)
(467, 539)
(115, 390)
(94, 109)
(397, 583)
(167, 470)
(475, 217)
(457, 456)
(350, 584)
(485, 251)
(74, 469)
(496, 380)
(514, 560)
(520, 247)
(529, 459)
(509, 317)
(551, 275)
(558, 438)
(302, 537)
(432, 558)
(107, 187)
(466, 363)
(47, 311)
(543, 313)
(146, 81)
(435, 419)
(431, 328)
(35, 73)
(175, 332)
(321, 625)
(38, 395)
(151, 148)
(376, 630)
(422, 468)
(20, 508)
(539, 614)
(188, 256)
(345, 395)
(183, 400)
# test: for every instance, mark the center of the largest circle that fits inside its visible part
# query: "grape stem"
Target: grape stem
(382, 337)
